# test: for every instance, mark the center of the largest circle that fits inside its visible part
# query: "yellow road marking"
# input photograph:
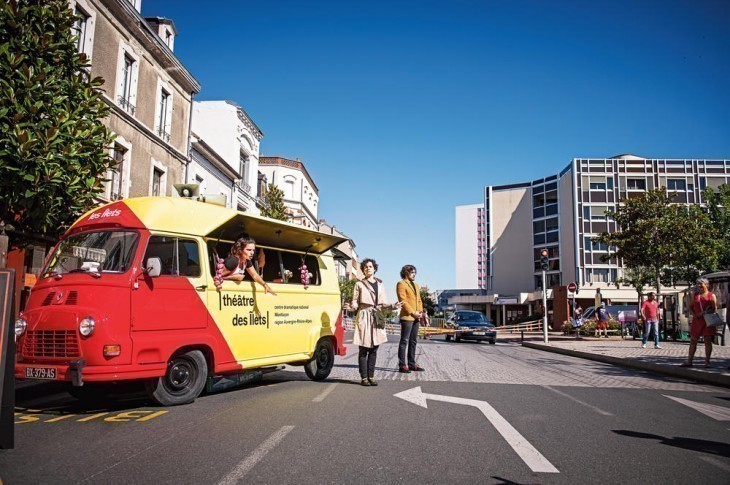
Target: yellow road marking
(126, 416)
(25, 418)
(153, 415)
(59, 418)
(93, 416)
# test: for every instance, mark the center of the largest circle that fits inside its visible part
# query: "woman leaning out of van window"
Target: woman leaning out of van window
(368, 296)
(244, 249)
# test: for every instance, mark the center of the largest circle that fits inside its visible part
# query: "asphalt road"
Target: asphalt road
(494, 414)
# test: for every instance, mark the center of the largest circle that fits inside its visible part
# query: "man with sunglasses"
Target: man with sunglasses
(410, 314)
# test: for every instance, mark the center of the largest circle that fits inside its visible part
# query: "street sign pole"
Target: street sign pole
(544, 309)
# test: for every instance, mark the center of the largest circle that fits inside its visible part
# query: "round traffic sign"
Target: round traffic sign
(572, 287)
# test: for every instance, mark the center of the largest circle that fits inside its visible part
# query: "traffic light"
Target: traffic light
(544, 263)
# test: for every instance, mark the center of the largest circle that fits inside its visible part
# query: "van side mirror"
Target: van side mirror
(153, 267)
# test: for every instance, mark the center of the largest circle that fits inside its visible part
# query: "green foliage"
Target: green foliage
(717, 203)
(275, 207)
(660, 241)
(346, 289)
(426, 300)
(53, 146)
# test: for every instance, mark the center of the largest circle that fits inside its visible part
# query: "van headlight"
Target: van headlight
(20, 326)
(86, 326)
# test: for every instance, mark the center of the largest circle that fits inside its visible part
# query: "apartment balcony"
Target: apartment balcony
(163, 134)
(126, 105)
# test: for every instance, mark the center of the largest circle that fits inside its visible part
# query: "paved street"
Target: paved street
(493, 414)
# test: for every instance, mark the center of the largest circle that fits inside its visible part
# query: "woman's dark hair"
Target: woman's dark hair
(366, 261)
(406, 269)
(240, 244)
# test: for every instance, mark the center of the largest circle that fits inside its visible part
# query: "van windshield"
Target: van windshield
(93, 252)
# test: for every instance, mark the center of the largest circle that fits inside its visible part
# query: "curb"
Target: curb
(703, 377)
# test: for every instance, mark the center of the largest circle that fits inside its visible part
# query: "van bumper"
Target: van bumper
(77, 372)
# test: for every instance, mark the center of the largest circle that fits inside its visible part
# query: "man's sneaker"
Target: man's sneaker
(372, 381)
(417, 368)
(404, 369)
(364, 382)
(657, 347)
(643, 346)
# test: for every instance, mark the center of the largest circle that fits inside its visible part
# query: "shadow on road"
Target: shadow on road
(704, 446)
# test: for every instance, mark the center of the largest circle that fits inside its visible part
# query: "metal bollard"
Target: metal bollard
(522, 335)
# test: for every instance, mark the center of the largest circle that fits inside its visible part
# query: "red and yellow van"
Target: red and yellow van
(128, 293)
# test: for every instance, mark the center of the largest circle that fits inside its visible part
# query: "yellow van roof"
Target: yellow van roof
(185, 216)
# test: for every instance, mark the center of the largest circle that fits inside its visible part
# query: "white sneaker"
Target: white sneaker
(643, 346)
(657, 347)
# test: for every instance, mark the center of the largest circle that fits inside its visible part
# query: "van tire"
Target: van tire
(321, 363)
(183, 381)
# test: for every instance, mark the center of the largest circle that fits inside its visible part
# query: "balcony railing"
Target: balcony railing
(163, 134)
(126, 105)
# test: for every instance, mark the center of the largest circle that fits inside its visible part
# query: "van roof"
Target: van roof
(185, 216)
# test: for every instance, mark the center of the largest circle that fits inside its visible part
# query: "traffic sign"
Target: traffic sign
(572, 287)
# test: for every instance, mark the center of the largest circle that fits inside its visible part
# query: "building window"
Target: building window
(676, 184)
(164, 115)
(116, 179)
(157, 175)
(127, 93)
(636, 184)
(80, 29)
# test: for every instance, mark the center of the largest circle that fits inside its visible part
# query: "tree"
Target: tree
(53, 146)
(717, 203)
(426, 300)
(346, 289)
(275, 207)
(657, 240)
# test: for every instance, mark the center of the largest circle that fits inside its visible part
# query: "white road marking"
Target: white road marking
(712, 410)
(598, 410)
(249, 462)
(522, 447)
(717, 463)
(325, 393)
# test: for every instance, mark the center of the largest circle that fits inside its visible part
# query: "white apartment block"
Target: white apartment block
(561, 213)
(301, 195)
(233, 135)
(210, 172)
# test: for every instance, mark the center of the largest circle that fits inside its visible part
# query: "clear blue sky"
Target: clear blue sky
(403, 110)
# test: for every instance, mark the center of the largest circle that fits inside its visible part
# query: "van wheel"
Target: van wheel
(320, 366)
(183, 381)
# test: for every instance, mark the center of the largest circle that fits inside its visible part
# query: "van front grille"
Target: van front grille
(51, 344)
(48, 299)
(73, 298)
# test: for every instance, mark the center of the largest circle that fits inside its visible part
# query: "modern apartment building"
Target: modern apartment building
(229, 130)
(149, 91)
(301, 195)
(562, 213)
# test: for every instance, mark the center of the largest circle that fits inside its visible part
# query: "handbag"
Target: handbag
(377, 314)
(712, 319)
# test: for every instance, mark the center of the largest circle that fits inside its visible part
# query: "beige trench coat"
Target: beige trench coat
(366, 335)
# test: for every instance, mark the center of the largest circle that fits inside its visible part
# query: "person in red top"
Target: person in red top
(703, 301)
(650, 314)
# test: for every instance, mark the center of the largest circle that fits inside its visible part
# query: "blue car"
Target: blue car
(469, 325)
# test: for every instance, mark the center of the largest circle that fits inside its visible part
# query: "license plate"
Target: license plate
(479, 333)
(40, 372)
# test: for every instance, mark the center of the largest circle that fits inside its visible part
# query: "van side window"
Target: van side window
(291, 263)
(179, 257)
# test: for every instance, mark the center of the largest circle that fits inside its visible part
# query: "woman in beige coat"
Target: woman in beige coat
(367, 296)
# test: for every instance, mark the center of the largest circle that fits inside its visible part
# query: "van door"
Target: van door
(175, 299)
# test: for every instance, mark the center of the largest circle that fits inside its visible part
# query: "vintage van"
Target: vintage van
(128, 294)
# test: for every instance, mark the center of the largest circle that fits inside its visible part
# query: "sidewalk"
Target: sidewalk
(628, 353)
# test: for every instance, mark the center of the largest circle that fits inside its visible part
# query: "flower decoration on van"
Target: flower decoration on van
(305, 275)
(218, 278)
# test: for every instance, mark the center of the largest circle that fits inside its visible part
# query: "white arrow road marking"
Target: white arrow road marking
(325, 393)
(712, 410)
(522, 447)
(249, 462)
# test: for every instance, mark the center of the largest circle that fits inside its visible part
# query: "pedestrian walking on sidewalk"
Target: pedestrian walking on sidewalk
(368, 297)
(409, 295)
(703, 301)
(650, 314)
(602, 323)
